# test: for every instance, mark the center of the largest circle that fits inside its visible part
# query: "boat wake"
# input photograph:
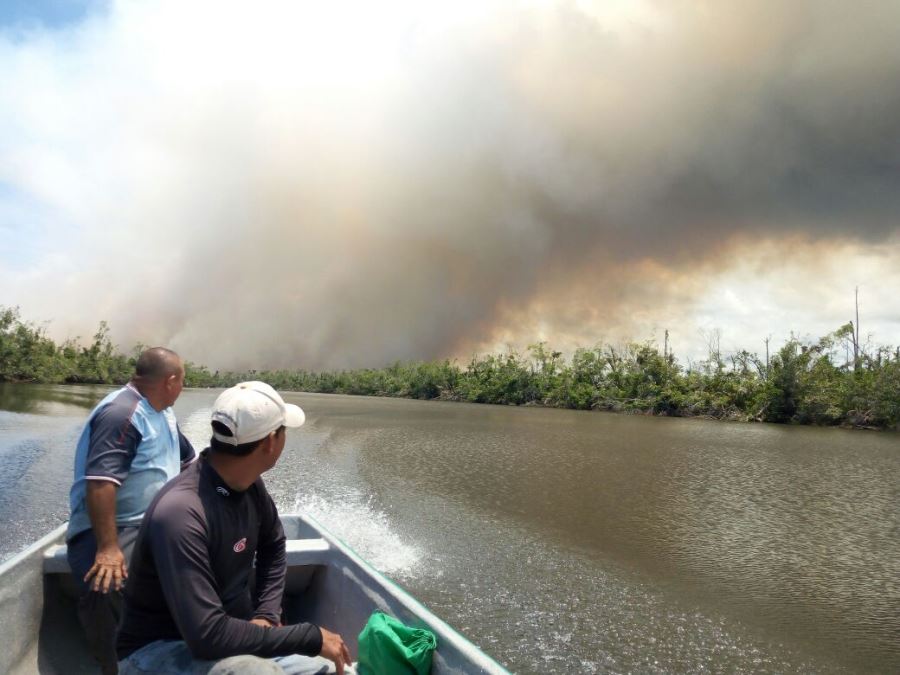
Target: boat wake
(354, 519)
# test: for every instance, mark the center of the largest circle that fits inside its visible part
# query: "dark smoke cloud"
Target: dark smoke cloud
(281, 189)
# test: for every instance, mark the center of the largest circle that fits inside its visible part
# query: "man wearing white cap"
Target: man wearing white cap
(188, 606)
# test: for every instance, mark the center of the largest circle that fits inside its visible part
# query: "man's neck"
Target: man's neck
(149, 392)
(235, 471)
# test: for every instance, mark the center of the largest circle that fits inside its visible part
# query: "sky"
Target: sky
(346, 184)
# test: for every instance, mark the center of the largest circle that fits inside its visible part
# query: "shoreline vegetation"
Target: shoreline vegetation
(833, 381)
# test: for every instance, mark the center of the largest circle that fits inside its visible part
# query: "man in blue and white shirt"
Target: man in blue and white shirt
(130, 447)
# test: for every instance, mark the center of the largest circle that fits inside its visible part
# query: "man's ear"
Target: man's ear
(263, 446)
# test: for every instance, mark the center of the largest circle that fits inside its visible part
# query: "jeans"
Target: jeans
(172, 657)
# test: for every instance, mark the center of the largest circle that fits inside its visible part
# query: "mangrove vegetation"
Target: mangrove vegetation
(830, 381)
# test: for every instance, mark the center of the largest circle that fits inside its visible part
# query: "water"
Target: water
(564, 541)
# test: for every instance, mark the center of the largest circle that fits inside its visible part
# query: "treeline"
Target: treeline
(804, 382)
(28, 355)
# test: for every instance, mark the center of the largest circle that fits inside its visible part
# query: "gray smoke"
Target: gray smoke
(281, 189)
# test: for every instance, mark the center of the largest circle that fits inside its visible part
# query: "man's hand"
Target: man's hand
(334, 649)
(109, 569)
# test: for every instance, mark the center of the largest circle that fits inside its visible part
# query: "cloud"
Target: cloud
(305, 186)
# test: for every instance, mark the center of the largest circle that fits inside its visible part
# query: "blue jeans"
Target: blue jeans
(172, 657)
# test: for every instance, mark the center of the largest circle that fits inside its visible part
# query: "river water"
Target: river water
(563, 541)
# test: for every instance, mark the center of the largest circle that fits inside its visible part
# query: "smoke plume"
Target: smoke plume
(340, 185)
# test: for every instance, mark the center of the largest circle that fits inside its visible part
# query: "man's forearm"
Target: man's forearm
(271, 567)
(270, 576)
(101, 506)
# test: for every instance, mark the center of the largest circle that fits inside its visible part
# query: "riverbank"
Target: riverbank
(802, 383)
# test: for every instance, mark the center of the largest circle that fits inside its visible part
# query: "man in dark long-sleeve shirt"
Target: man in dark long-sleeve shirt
(188, 606)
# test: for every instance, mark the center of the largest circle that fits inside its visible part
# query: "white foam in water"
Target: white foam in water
(363, 528)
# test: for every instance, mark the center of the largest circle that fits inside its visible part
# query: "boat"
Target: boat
(327, 584)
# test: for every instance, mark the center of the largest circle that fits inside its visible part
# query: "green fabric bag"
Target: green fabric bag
(387, 647)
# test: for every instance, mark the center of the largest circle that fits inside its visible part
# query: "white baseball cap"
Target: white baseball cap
(251, 411)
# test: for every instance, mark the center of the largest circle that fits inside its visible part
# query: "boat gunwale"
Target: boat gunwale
(33, 548)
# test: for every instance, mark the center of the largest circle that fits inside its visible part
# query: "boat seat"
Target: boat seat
(55, 561)
(307, 552)
(299, 552)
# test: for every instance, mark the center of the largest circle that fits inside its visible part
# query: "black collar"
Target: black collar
(220, 487)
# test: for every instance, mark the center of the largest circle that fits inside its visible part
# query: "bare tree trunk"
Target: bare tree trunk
(856, 334)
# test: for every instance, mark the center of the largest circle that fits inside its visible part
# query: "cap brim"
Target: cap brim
(293, 415)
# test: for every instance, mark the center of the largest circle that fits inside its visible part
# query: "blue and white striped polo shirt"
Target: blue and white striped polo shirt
(127, 442)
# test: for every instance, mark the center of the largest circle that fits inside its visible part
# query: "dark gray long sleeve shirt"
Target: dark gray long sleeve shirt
(190, 572)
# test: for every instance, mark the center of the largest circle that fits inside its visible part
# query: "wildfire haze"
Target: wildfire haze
(329, 185)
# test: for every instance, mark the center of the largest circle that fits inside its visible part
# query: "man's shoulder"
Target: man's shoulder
(178, 499)
(119, 405)
(115, 417)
